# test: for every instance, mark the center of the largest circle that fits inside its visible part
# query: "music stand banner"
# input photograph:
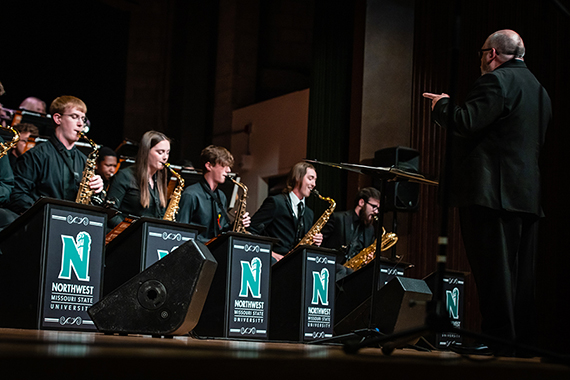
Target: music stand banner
(319, 295)
(73, 268)
(248, 297)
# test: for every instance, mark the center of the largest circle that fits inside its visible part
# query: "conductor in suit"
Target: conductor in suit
(285, 216)
(495, 183)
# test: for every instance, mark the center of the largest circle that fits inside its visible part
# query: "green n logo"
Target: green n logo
(251, 278)
(452, 301)
(163, 252)
(321, 287)
(75, 255)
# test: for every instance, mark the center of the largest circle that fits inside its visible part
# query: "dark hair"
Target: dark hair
(216, 155)
(366, 193)
(296, 175)
(150, 139)
(105, 151)
(27, 127)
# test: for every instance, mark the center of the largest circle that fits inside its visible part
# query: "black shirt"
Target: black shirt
(6, 178)
(49, 170)
(198, 205)
(124, 191)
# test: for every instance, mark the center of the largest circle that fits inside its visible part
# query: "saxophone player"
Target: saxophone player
(54, 169)
(204, 203)
(142, 189)
(284, 216)
(351, 231)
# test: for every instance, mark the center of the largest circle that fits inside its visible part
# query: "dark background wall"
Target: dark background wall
(182, 67)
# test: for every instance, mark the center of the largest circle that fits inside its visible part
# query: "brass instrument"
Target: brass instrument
(316, 228)
(367, 254)
(85, 193)
(6, 146)
(172, 208)
(238, 222)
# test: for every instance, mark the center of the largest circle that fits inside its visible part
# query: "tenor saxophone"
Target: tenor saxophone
(6, 146)
(85, 193)
(316, 228)
(172, 209)
(238, 222)
(367, 254)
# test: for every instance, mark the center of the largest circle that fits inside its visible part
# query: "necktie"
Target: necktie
(300, 221)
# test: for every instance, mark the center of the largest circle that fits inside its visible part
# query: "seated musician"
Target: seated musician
(34, 104)
(351, 231)
(106, 165)
(142, 189)
(203, 203)
(54, 169)
(26, 130)
(284, 216)
(6, 186)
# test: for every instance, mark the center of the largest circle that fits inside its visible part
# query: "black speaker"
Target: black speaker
(165, 299)
(400, 196)
(400, 306)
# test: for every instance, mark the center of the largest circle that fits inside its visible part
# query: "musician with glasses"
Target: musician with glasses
(54, 168)
(285, 216)
(495, 183)
(353, 230)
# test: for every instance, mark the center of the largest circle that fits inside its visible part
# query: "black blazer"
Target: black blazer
(275, 218)
(498, 134)
(339, 230)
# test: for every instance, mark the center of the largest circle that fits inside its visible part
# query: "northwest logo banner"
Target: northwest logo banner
(321, 287)
(452, 300)
(75, 256)
(251, 278)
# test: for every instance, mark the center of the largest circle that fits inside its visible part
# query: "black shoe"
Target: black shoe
(476, 349)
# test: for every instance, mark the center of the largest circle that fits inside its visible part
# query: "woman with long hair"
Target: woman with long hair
(141, 189)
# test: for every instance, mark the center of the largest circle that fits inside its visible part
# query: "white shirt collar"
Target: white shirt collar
(295, 202)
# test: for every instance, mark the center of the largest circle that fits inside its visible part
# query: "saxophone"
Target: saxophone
(367, 254)
(238, 222)
(316, 228)
(5, 147)
(85, 193)
(172, 209)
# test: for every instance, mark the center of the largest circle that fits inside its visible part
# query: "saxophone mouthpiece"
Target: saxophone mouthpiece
(316, 192)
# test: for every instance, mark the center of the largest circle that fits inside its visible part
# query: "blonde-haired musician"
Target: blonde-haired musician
(54, 168)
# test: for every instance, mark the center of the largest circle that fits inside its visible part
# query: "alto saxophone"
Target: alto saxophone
(85, 193)
(172, 209)
(367, 254)
(5, 147)
(316, 228)
(238, 222)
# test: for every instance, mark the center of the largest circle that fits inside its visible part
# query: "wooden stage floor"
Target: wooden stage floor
(32, 354)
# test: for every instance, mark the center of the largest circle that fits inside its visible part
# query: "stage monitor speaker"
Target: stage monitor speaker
(400, 196)
(165, 299)
(401, 305)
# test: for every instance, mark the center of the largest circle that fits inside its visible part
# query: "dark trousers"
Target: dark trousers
(501, 248)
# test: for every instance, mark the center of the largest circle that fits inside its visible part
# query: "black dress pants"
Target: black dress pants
(501, 248)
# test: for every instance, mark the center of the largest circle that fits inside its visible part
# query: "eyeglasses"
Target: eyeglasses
(75, 116)
(374, 207)
(480, 52)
